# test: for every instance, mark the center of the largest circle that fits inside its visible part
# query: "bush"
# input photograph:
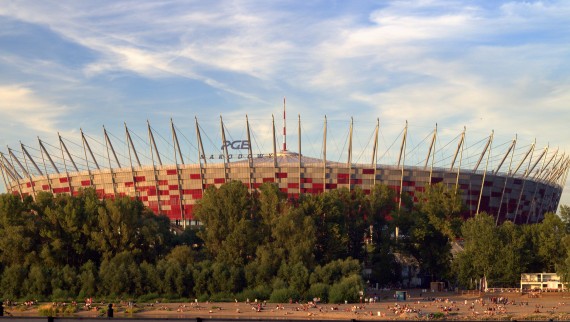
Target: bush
(284, 295)
(346, 290)
(59, 295)
(319, 290)
(53, 310)
(260, 293)
(148, 297)
(222, 297)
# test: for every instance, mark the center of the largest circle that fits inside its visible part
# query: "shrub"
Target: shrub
(222, 297)
(148, 297)
(260, 293)
(319, 290)
(283, 295)
(52, 310)
(346, 290)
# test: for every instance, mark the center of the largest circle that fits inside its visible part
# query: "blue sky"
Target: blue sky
(486, 65)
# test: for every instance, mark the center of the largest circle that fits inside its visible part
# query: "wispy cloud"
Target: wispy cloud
(21, 108)
(489, 65)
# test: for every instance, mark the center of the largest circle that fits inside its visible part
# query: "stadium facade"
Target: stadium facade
(520, 190)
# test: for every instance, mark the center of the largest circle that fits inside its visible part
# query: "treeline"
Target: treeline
(259, 245)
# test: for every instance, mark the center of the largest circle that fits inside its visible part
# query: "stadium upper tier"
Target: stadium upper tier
(516, 183)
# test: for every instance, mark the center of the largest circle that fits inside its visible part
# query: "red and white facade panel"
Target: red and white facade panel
(173, 190)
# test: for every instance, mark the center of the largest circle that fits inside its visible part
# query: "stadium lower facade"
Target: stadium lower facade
(522, 195)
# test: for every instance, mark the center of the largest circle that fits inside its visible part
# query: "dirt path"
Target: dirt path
(452, 306)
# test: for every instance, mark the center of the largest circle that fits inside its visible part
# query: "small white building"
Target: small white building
(541, 281)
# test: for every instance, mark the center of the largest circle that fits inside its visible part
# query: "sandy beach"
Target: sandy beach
(450, 306)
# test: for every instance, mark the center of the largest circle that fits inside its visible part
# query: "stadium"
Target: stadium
(507, 180)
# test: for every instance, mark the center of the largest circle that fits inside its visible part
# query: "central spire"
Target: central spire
(284, 127)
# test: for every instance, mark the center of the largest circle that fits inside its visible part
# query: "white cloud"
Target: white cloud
(22, 109)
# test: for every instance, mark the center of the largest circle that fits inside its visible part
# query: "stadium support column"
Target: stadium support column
(536, 162)
(201, 155)
(18, 177)
(402, 157)
(511, 149)
(531, 152)
(24, 169)
(460, 146)
(8, 188)
(129, 146)
(533, 202)
(249, 154)
(86, 145)
(24, 153)
(177, 153)
(10, 172)
(490, 146)
(548, 173)
(42, 150)
(67, 152)
(284, 127)
(540, 174)
(525, 156)
(431, 149)
(9, 168)
(108, 145)
(325, 156)
(550, 179)
(375, 151)
(152, 144)
(65, 164)
(13, 157)
(541, 177)
(558, 171)
(565, 177)
(274, 148)
(300, 160)
(350, 155)
(225, 147)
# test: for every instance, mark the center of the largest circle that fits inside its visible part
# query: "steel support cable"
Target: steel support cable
(167, 142)
(344, 145)
(311, 142)
(262, 149)
(395, 140)
(124, 144)
(76, 157)
(145, 144)
(209, 139)
(367, 144)
(441, 150)
(102, 145)
(187, 156)
(417, 145)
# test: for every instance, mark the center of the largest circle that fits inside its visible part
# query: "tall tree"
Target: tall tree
(550, 234)
(481, 248)
(230, 225)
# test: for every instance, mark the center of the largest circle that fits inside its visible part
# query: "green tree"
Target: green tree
(88, 279)
(513, 255)
(481, 249)
(550, 234)
(443, 208)
(120, 275)
(37, 283)
(13, 278)
(18, 228)
(564, 212)
(230, 225)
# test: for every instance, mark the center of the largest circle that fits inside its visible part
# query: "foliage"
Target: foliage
(347, 289)
(284, 295)
(260, 245)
